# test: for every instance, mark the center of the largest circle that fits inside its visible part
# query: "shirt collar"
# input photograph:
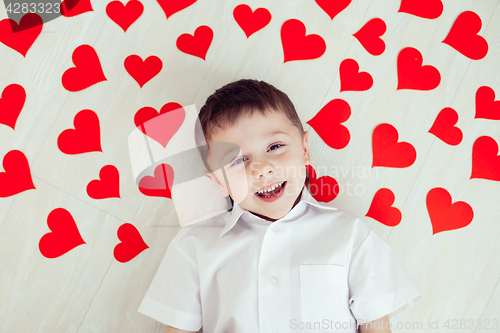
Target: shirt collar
(235, 214)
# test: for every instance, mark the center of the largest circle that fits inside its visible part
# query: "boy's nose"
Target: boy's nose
(260, 169)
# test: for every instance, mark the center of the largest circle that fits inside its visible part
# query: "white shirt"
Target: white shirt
(318, 265)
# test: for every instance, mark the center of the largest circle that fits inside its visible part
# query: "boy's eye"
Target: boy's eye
(238, 161)
(276, 145)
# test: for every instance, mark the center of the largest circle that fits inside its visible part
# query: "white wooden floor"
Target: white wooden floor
(87, 290)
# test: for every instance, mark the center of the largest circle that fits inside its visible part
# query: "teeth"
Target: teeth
(270, 189)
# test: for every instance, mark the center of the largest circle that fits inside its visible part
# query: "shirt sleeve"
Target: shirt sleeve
(379, 284)
(173, 298)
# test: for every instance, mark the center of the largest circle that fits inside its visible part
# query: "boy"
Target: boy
(277, 261)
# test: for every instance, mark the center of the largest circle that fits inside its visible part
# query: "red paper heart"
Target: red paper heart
(198, 44)
(87, 70)
(249, 21)
(429, 9)
(486, 106)
(388, 152)
(485, 161)
(131, 243)
(171, 7)
(444, 128)
(353, 80)
(124, 15)
(332, 8)
(17, 175)
(463, 36)
(108, 186)
(11, 104)
(411, 73)
(143, 71)
(327, 123)
(64, 236)
(369, 36)
(160, 185)
(381, 208)
(298, 46)
(443, 214)
(323, 189)
(21, 37)
(160, 127)
(86, 136)
(70, 8)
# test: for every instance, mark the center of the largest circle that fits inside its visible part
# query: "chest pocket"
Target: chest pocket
(324, 295)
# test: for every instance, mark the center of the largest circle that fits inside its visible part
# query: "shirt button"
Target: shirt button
(274, 228)
(272, 279)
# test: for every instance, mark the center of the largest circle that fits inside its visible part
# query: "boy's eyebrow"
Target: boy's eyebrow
(278, 132)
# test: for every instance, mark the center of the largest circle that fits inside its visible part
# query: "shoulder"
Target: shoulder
(342, 218)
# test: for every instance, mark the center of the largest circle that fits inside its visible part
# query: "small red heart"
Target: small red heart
(124, 15)
(108, 186)
(485, 161)
(171, 7)
(64, 235)
(463, 36)
(160, 185)
(249, 21)
(198, 44)
(486, 106)
(160, 127)
(353, 80)
(86, 136)
(131, 243)
(388, 152)
(298, 46)
(21, 37)
(332, 8)
(323, 189)
(444, 128)
(70, 8)
(17, 175)
(369, 36)
(11, 104)
(381, 208)
(87, 70)
(143, 71)
(411, 73)
(443, 214)
(327, 123)
(429, 9)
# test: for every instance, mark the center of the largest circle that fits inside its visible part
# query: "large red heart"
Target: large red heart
(64, 236)
(143, 71)
(171, 7)
(131, 243)
(353, 80)
(86, 136)
(388, 152)
(249, 21)
(411, 73)
(327, 123)
(298, 46)
(87, 70)
(323, 189)
(369, 36)
(485, 161)
(332, 8)
(381, 208)
(17, 175)
(124, 15)
(70, 8)
(21, 37)
(429, 9)
(463, 36)
(486, 106)
(198, 44)
(160, 127)
(108, 186)
(160, 185)
(11, 104)
(444, 128)
(443, 214)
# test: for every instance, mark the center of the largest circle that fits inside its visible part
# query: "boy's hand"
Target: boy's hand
(382, 324)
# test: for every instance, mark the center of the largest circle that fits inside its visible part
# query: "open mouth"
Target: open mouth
(272, 193)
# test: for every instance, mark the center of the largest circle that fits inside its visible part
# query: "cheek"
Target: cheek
(238, 183)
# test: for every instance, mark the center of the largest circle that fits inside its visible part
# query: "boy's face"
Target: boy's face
(272, 152)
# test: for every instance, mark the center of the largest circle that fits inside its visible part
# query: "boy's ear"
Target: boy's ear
(307, 158)
(222, 189)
